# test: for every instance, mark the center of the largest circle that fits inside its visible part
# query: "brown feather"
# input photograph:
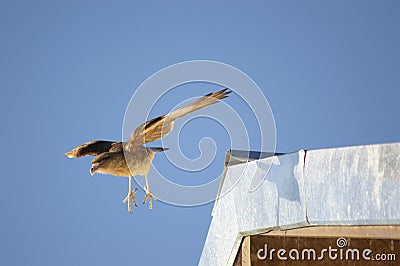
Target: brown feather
(161, 126)
(94, 148)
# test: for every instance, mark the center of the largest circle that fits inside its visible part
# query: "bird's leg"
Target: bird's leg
(130, 198)
(149, 196)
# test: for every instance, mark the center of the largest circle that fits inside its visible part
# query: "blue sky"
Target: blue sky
(329, 69)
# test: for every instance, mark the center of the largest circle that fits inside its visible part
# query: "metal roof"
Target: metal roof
(261, 192)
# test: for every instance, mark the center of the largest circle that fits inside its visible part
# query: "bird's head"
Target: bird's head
(110, 163)
(101, 163)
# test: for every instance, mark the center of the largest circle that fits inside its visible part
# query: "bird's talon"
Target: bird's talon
(149, 196)
(130, 198)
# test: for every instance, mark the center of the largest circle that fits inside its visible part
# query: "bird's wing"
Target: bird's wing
(93, 148)
(159, 127)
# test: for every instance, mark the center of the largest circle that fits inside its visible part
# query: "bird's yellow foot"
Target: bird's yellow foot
(130, 198)
(149, 196)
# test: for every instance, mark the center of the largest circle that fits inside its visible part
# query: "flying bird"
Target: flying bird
(114, 157)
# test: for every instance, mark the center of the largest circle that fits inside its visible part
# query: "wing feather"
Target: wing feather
(94, 148)
(161, 126)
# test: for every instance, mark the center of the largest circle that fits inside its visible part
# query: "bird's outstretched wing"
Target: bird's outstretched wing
(159, 127)
(94, 148)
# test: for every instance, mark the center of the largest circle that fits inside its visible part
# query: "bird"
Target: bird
(132, 158)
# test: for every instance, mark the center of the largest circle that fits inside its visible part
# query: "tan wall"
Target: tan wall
(344, 245)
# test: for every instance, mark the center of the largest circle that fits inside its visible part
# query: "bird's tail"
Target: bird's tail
(157, 149)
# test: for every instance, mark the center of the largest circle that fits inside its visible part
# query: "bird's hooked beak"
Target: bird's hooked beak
(94, 168)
